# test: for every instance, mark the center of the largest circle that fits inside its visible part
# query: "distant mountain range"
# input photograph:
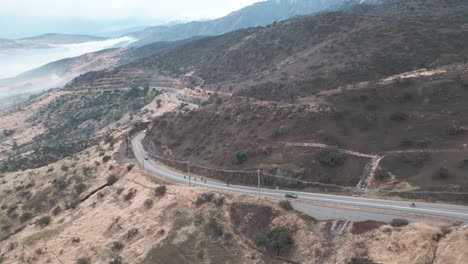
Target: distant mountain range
(56, 74)
(259, 14)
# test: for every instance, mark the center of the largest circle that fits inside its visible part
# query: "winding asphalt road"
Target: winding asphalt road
(324, 206)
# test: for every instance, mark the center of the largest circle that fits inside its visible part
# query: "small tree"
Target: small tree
(241, 157)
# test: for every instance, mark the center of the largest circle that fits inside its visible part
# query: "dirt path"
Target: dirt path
(373, 165)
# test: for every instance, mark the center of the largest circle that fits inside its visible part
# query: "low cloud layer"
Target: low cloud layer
(16, 61)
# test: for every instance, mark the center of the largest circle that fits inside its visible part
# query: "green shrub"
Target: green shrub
(80, 188)
(399, 117)
(464, 81)
(443, 173)
(160, 190)
(8, 132)
(116, 260)
(277, 240)
(204, 198)
(331, 156)
(361, 260)
(59, 184)
(83, 260)
(457, 131)
(286, 205)
(382, 175)
(219, 202)
(463, 164)
(106, 159)
(25, 217)
(241, 157)
(117, 246)
(398, 222)
(415, 160)
(112, 179)
(43, 221)
(213, 227)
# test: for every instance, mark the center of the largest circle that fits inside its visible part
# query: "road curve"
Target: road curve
(325, 206)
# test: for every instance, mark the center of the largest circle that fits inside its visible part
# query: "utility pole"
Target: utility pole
(258, 176)
(188, 173)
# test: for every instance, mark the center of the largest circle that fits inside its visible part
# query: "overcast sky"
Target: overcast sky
(21, 18)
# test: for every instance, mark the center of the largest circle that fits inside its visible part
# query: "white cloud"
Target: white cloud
(119, 9)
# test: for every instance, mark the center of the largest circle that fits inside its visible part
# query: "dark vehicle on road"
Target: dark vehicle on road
(291, 195)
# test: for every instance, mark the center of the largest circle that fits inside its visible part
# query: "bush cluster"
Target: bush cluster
(398, 222)
(278, 240)
(331, 157)
(286, 205)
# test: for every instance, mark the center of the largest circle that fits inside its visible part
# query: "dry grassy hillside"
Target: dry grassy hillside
(122, 215)
(393, 117)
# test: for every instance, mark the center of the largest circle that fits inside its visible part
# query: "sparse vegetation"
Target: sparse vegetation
(398, 222)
